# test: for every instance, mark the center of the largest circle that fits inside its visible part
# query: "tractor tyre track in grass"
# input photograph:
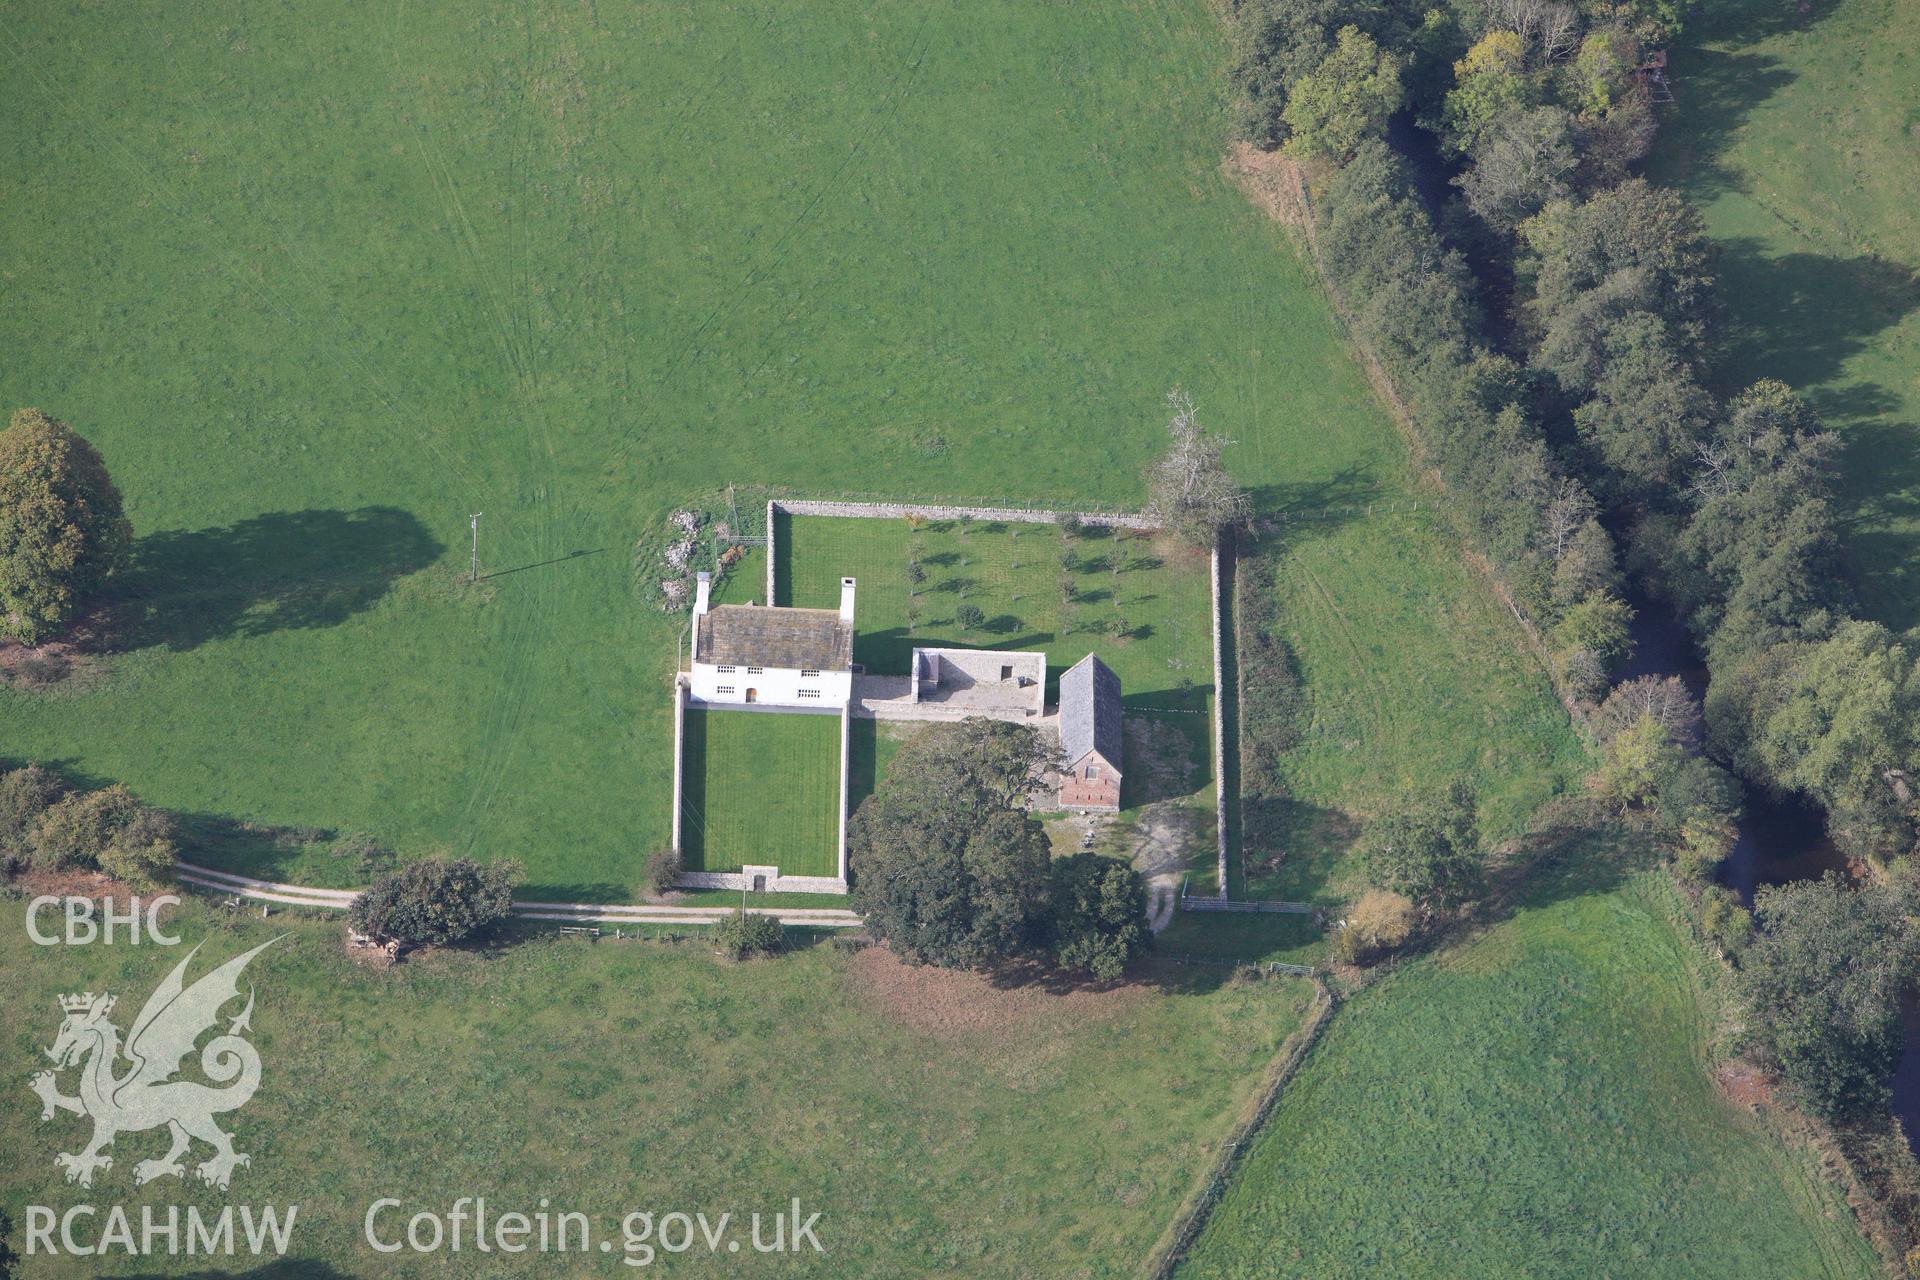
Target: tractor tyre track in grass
(883, 111)
(175, 203)
(1377, 694)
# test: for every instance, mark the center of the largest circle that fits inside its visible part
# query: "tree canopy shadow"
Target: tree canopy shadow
(1717, 90)
(1348, 486)
(283, 570)
(1800, 317)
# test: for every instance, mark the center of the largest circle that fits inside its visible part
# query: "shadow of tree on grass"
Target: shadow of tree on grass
(284, 570)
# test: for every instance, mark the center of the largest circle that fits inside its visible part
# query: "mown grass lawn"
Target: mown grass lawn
(1534, 1104)
(1144, 604)
(371, 273)
(1798, 132)
(1003, 1133)
(761, 788)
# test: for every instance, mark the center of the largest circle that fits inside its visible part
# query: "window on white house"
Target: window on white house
(809, 693)
(725, 688)
(809, 675)
(755, 671)
(725, 671)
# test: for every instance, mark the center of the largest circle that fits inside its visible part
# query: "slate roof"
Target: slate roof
(791, 639)
(1090, 711)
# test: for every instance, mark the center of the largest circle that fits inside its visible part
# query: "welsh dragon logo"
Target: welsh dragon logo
(145, 1095)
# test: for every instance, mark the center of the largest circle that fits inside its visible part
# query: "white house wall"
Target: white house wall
(773, 686)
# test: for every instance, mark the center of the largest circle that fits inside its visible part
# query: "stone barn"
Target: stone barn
(1090, 737)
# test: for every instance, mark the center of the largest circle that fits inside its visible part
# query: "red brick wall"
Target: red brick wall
(1103, 792)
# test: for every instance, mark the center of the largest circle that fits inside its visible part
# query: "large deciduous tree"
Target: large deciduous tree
(1098, 921)
(1490, 84)
(1635, 226)
(1760, 555)
(1520, 163)
(1648, 414)
(1278, 43)
(1427, 850)
(1825, 976)
(62, 531)
(435, 902)
(949, 867)
(1344, 100)
(1837, 721)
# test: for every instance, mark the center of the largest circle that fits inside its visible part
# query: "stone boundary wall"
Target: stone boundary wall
(1024, 515)
(1186, 1228)
(679, 748)
(846, 757)
(1220, 693)
(771, 549)
(943, 511)
(779, 884)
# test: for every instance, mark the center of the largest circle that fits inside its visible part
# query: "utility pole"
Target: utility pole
(473, 522)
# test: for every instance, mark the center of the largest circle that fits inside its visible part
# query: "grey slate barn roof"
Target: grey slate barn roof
(792, 639)
(1090, 711)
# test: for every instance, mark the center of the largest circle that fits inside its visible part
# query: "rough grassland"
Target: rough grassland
(1799, 135)
(1014, 1134)
(761, 788)
(1535, 1104)
(1412, 677)
(321, 282)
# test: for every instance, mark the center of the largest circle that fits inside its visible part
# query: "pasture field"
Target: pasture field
(761, 788)
(1798, 134)
(321, 283)
(1413, 674)
(1533, 1103)
(939, 1126)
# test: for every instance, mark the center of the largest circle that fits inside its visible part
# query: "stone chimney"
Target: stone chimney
(703, 585)
(846, 599)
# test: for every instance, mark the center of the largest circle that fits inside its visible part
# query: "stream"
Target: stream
(1778, 841)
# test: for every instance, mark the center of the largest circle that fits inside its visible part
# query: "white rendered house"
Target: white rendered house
(760, 655)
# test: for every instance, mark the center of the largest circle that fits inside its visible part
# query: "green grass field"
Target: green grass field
(1533, 1104)
(374, 272)
(1008, 1133)
(1799, 135)
(761, 788)
(1413, 676)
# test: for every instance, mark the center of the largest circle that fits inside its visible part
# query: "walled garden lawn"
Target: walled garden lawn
(1141, 602)
(761, 788)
